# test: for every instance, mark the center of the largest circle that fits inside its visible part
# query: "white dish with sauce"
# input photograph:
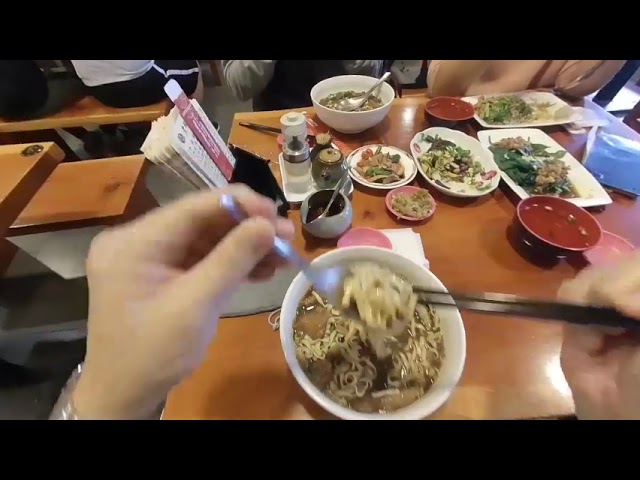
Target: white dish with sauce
(590, 192)
(410, 169)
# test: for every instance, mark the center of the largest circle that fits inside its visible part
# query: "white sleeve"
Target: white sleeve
(247, 78)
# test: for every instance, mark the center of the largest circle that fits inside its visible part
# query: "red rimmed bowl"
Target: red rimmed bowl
(609, 249)
(408, 189)
(556, 226)
(448, 111)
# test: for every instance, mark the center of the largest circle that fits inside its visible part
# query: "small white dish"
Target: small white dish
(410, 169)
(420, 145)
(591, 193)
(299, 197)
(559, 108)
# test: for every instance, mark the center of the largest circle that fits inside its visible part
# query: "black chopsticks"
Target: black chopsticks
(260, 128)
(514, 305)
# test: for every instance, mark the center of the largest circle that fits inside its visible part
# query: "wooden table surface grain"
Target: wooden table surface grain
(512, 368)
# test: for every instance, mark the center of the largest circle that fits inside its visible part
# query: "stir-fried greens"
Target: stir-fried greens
(332, 101)
(511, 109)
(378, 167)
(446, 162)
(416, 205)
(533, 167)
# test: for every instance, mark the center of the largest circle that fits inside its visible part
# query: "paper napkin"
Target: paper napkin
(407, 243)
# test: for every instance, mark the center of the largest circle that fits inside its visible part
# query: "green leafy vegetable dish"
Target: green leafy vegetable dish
(511, 109)
(533, 167)
(446, 163)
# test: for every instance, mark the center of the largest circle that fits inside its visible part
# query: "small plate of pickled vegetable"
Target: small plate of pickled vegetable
(381, 167)
(411, 203)
(455, 163)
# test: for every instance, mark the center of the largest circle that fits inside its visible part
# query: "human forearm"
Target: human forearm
(247, 78)
(454, 77)
(604, 72)
(86, 397)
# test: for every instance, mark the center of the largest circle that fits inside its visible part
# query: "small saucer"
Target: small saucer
(365, 237)
(610, 248)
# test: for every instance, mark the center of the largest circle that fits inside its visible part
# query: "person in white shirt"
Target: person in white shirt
(136, 83)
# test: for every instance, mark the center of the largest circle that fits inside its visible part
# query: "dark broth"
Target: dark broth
(558, 225)
(316, 207)
(311, 319)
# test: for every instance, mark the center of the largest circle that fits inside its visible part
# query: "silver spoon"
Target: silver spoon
(350, 104)
(336, 191)
(327, 281)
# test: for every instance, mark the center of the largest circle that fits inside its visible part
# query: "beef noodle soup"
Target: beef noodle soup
(382, 363)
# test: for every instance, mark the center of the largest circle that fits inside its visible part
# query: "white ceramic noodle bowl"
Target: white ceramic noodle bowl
(451, 321)
(351, 122)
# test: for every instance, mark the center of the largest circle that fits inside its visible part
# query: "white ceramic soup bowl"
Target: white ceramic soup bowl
(351, 122)
(451, 322)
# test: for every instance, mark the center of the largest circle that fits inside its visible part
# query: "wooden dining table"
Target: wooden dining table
(512, 368)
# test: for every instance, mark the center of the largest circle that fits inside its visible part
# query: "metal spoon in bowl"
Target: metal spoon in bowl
(351, 104)
(327, 281)
(336, 191)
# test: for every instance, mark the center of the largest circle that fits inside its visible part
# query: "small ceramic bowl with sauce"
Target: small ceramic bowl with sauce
(447, 111)
(556, 226)
(337, 221)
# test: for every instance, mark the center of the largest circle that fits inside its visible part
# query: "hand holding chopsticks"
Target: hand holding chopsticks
(514, 305)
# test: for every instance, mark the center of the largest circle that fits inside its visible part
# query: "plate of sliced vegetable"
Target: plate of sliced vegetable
(454, 163)
(411, 203)
(532, 163)
(381, 167)
(522, 109)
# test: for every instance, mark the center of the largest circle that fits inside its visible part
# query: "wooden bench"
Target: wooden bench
(21, 176)
(40, 195)
(87, 193)
(88, 112)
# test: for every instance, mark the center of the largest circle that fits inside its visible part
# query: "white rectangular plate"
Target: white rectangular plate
(591, 193)
(562, 109)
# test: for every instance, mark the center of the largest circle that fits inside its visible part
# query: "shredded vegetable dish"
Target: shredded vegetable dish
(511, 109)
(332, 101)
(445, 162)
(416, 205)
(533, 167)
(378, 167)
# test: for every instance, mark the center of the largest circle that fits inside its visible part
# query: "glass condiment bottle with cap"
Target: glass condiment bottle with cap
(295, 152)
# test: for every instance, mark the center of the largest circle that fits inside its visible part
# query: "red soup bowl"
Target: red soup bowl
(448, 111)
(556, 226)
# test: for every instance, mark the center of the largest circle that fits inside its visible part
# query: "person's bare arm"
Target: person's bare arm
(247, 78)
(453, 77)
(574, 68)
